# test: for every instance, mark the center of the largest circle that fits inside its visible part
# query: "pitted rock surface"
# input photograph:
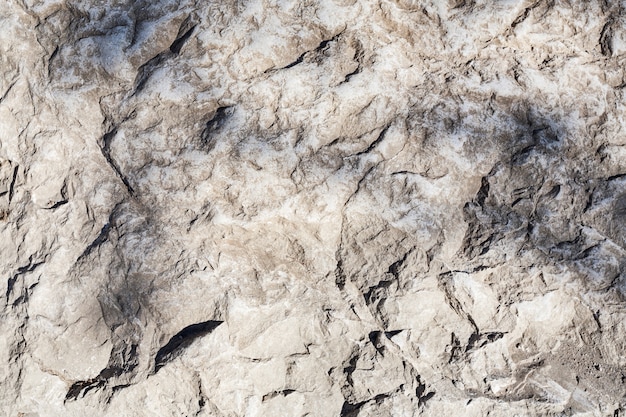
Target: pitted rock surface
(312, 208)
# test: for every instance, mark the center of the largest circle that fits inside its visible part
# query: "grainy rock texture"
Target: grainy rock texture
(312, 208)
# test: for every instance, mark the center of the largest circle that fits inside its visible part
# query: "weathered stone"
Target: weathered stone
(323, 208)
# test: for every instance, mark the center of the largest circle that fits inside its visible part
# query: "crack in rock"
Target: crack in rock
(181, 340)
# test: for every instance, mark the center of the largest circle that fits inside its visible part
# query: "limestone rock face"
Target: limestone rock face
(312, 208)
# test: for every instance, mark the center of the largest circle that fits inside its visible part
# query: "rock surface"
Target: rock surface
(312, 208)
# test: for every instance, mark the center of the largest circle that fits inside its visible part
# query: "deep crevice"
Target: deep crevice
(113, 370)
(12, 185)
(352, 74)
(420, 392)
(144, 71)
(606, 39)
(375, 143)
(99, 240)
(57, 205)
(376, 292)
(318, 49)
(180, 41)
(182, 340)
(20, 271)
(296, 62)
(395, 268)
(273, 394)
(351, 410)
(215, 123)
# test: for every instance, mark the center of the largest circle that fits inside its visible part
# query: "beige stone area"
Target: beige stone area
(312, 208)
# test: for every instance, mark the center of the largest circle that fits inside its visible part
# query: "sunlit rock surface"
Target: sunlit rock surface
(312, 208)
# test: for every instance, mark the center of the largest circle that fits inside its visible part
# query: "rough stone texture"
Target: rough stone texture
(312, 208)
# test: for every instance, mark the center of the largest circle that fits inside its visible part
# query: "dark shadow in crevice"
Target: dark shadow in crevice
(181, 340)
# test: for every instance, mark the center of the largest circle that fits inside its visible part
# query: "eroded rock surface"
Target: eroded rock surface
(312, 208)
